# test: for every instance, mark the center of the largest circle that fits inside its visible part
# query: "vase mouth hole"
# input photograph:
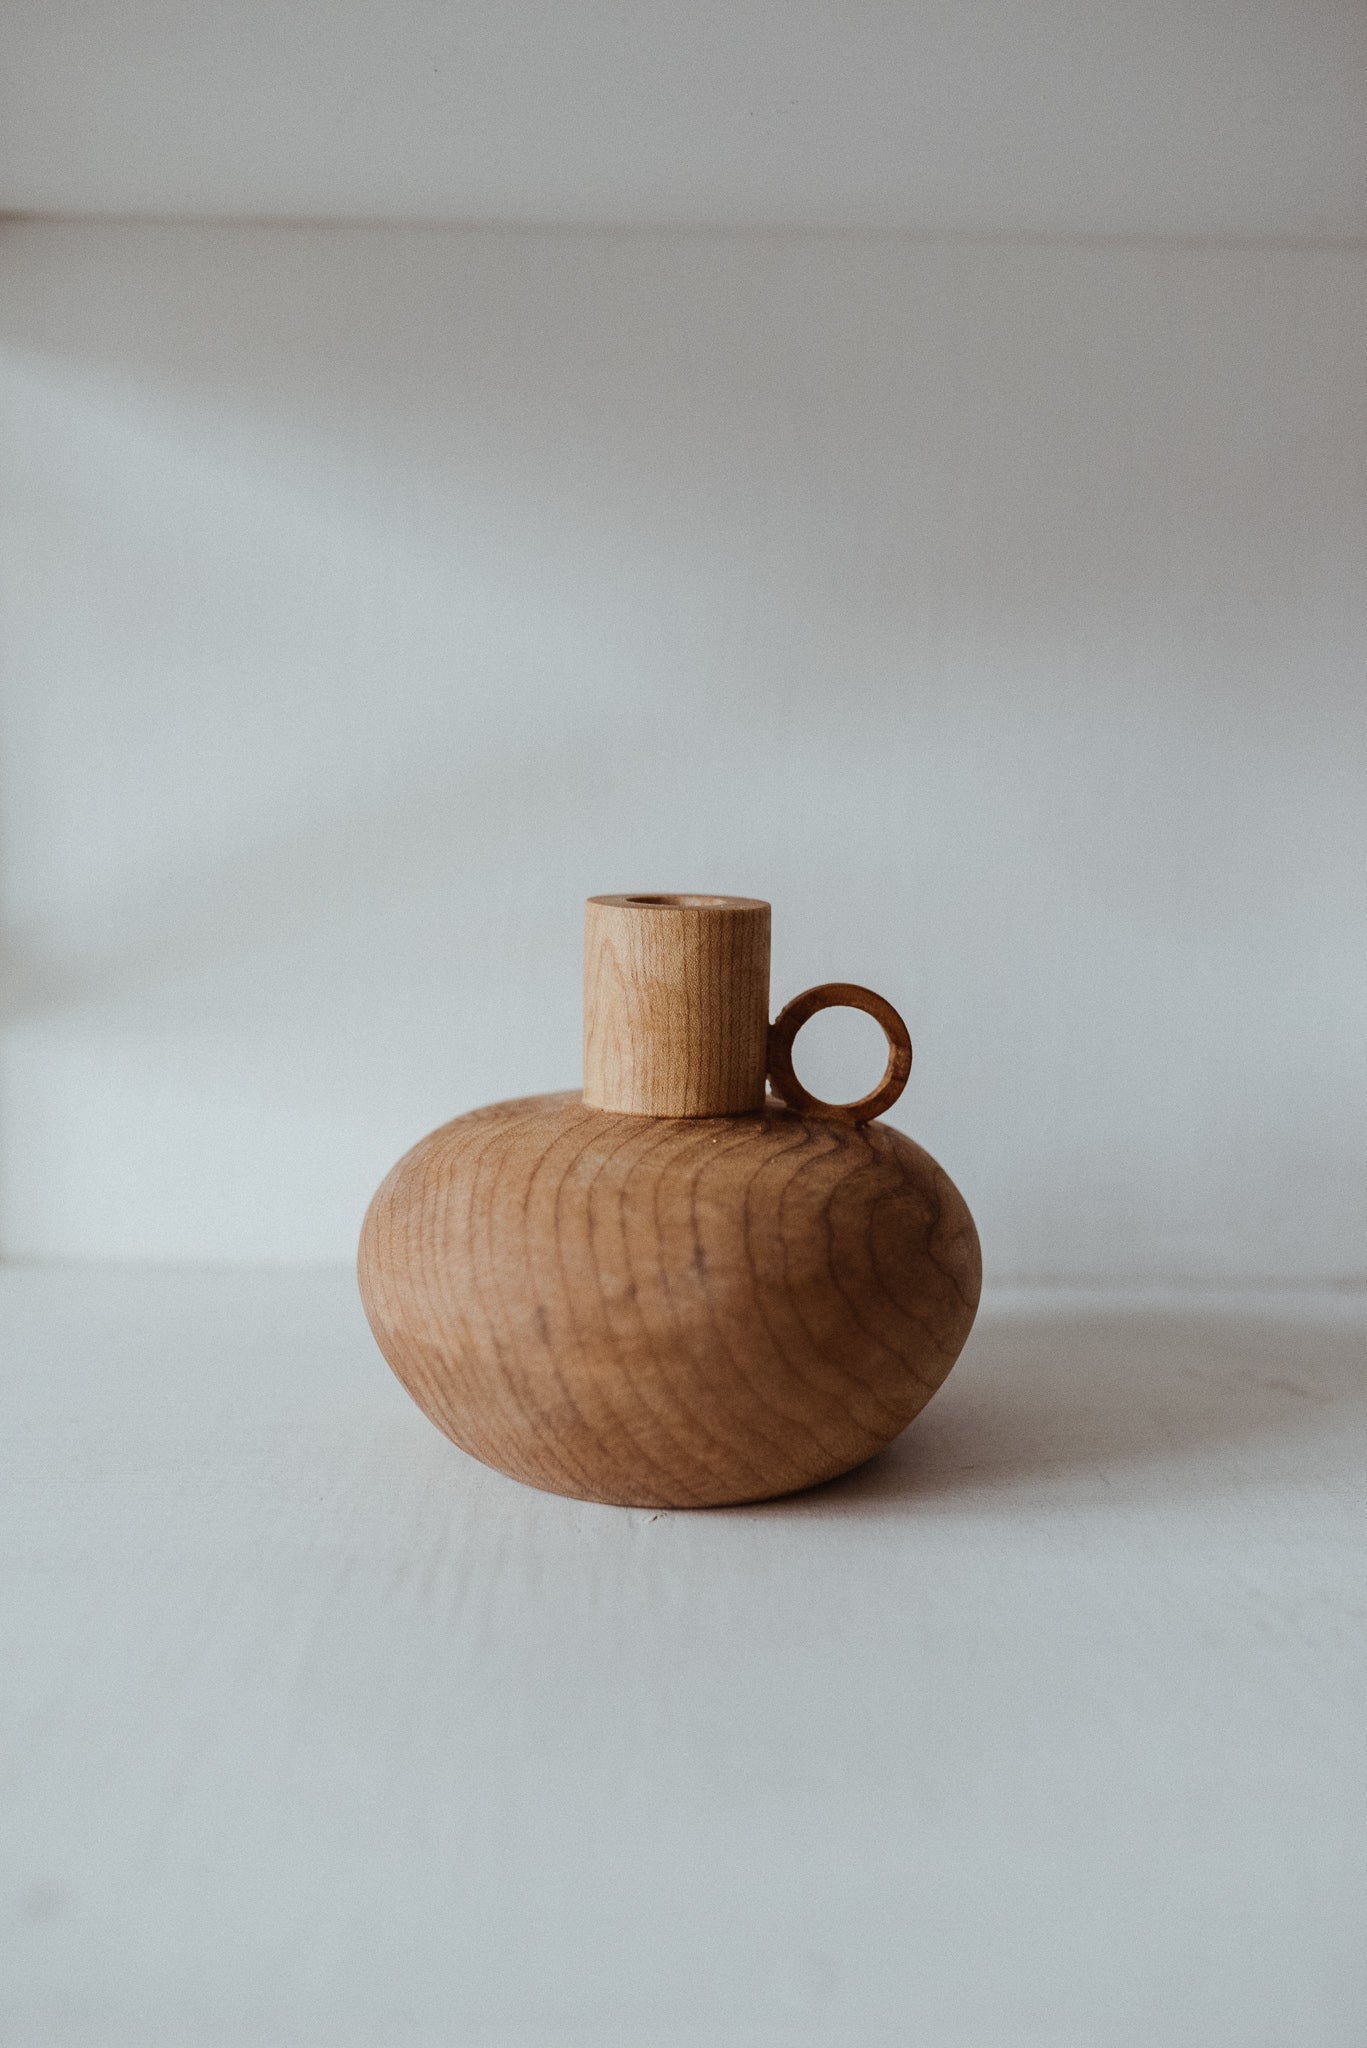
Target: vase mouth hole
(682, 902)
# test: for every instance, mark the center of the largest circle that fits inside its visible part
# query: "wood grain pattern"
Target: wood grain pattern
(666, 1291)
(676, 1004)
(668, 1312)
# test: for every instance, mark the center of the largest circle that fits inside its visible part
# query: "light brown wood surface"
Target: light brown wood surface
(668, 1312)
(834, 995)
(668, 1291)
(676, 1004)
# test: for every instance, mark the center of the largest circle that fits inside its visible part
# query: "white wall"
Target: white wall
(1174, 117)
(375, 595)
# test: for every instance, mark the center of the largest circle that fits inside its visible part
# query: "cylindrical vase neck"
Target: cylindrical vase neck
(676, 1004)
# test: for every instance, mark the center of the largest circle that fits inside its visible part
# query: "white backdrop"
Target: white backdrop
(1173, 117)
(998, 611)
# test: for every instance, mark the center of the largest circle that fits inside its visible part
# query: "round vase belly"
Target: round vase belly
(665, 1311)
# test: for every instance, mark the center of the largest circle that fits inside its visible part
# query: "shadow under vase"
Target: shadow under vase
(1179, 1397)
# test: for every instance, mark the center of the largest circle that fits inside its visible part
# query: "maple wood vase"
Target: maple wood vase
(670, 1290)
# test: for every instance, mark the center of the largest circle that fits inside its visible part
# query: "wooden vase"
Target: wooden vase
(669, 1290)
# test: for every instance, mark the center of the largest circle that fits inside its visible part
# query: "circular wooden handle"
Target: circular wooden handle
(836, 995)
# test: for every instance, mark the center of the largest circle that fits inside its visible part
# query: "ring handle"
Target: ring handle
(833, 995)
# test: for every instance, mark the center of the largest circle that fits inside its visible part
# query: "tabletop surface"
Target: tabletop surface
(1046, 1727)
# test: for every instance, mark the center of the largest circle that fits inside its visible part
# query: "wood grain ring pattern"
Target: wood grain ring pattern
(838, 995)
(668, 1312)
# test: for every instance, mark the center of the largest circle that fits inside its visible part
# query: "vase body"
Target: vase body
(669, 1311)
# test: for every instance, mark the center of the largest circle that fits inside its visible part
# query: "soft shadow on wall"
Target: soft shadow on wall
(379, 594)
